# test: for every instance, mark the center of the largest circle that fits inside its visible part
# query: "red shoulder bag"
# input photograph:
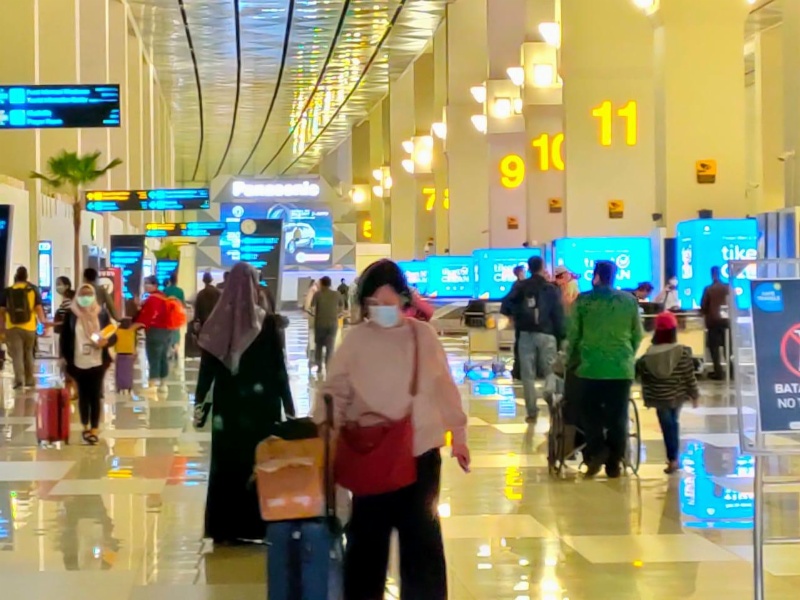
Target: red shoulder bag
(377, 459)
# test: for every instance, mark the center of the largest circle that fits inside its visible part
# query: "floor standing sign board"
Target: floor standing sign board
(776, 332)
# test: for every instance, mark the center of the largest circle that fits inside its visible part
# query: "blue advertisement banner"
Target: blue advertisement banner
(416, 272)
(776, 330)
(450, 276)
(632, 255)
(307, 232)
(494, 268)
(706, 243)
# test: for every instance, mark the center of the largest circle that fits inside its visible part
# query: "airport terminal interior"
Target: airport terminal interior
(460, 139)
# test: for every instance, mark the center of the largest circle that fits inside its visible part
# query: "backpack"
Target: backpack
(18, 305)
(176, 314)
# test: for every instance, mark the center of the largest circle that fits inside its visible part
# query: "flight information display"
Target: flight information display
(165, 268)
(5, 242)
(262, 246)
(192, 229)
(59, 106)
(127, 254)
(165, 199)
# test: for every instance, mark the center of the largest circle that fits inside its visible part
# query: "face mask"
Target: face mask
(384, 316)
(85, 301)
(61, 289)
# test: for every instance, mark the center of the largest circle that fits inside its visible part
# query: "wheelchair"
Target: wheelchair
(561, 438)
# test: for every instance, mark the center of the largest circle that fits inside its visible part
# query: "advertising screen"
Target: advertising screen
(127, 254)
(450, 276)
(495, 269)
(307, 231)
(59, 106)
(632, 255)
(46, 275)
(416, 272)
(706, 243)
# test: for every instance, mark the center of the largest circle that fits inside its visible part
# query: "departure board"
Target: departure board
(127, 254)
(192, 229)
(131, 200)
(59, 106)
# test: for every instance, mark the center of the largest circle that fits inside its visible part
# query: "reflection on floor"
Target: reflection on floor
(125, 518)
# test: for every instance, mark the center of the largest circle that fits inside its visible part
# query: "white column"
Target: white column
(791, 98)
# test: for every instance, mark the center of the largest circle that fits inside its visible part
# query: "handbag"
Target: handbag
(377, 459)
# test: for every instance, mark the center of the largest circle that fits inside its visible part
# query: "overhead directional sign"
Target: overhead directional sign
(59, 106)
(192, 229)
(127, 200)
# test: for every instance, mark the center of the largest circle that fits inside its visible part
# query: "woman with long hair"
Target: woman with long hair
(242, 357)
(392, 368)
(84, 351)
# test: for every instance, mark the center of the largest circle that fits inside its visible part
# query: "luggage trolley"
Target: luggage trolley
(487, 337)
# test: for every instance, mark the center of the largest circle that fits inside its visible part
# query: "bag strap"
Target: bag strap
(413, 387)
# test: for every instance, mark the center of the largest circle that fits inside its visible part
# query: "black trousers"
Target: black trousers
(90, 394)
(324, 338)
(413, 512)
(604, 416)
(715, 341)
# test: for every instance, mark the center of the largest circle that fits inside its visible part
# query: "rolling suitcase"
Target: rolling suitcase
(304, 557)
(53, 416)
(123, 373)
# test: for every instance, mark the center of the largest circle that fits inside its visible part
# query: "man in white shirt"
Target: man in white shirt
(669, 295)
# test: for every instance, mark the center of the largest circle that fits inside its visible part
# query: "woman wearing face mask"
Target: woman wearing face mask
(85, 352)
(388, 368)
(158, 337)
(668, 297)
(64, 289)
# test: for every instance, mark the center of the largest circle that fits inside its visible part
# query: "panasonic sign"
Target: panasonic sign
(275, 189)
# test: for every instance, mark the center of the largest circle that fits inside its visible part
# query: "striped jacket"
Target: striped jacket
(667, 375)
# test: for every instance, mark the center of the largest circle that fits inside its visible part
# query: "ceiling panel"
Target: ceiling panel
(339, 59)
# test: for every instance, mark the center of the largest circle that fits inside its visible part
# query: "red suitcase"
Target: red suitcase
(53, 415)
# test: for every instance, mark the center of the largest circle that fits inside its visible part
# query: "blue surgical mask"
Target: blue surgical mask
(85, 301)
(385, 316)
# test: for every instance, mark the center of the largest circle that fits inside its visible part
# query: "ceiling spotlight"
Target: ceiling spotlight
(479, 93)
(377, 174)
(644, 4)
(426, 141)
(423, 158)
(408, 165)
(408, 146)
(516, 75)
(517, 106)
(551, 33)
(439, 130)
(479, 122)
(377, 191)
(359, 195)
(387, 183)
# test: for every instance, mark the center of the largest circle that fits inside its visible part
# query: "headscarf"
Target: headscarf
(237, 318)
(88, 318)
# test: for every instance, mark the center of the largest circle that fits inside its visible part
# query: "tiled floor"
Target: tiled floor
(126, 517)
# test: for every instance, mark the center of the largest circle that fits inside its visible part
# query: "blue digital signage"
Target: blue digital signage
(307, 232)
(132, 200)
(5, 242)
(59, 106)
(191, 229)
(450, 276)
(127, 254)
(165, 267)
(416, 272)
(706, 243)
(495, 270)
(45, 261)
(632, 255)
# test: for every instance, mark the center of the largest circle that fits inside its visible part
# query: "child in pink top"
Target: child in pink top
(370, 373)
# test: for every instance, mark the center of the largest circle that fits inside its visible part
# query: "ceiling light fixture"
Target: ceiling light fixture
(517, 106)
(644, 4)
(408, 165)
(502, 108)
(551, 33)
(408, 146)
(377, 191)
(377, 174)
(424, 158)
(426, 141)
(479, 122)
(543, 75)
(387, 182)
(359, 195)
(516, 75)
(439, 130)
(479, 93)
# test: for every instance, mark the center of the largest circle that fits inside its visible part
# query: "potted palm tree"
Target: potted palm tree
(73, 171)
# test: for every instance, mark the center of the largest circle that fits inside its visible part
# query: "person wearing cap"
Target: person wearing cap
(604, 334)
(668, 380)
(568, 285)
